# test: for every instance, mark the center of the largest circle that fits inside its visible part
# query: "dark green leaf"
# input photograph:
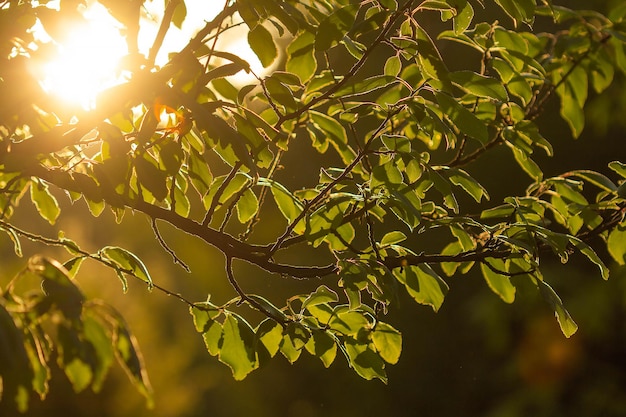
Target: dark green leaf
(262, 43)
(333, 28)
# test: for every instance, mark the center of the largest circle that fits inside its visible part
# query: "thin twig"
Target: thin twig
(165, 246)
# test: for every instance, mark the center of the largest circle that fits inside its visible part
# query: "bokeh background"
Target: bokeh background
(476, 357)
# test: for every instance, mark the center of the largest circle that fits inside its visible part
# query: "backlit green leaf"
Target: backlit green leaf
(322, 345)
(567, 324)
(423, 284)
(616, 244)
(388, 342)
(247, 206)
(479, 85)
(322, 295)
(365, 361)
(128, 262)
(498, 282)
(392, 238)
(44, 201)
(462, 118)
(238, 347)
(262, 43)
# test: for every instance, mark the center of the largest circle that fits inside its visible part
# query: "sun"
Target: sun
(89, 57)
(87, 61)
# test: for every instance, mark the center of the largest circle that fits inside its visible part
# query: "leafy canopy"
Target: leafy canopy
(393, 207)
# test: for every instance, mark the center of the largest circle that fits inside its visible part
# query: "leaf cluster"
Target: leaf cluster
(367, 86)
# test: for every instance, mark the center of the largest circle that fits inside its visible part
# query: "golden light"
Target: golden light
(88, 60)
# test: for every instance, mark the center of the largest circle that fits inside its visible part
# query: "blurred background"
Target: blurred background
(476, 357)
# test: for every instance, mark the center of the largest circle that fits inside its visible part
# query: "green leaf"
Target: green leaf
(618, 167)
(322, 345)
(347, 321)
(288, 204)
(17, 246)
(212, 337)
(590, 254)
(270, 334)
(573, 94)
(203, 315)
(297, 334)
(463, 17)
(366, 86)
(97, 335)
(301, 56)
(151, 177)
(499, 283)
(522, 10)
(128, 262)
(470, 185)
(247, 206)
(423, 284)
(322, 295)
(365, 361)
(79, 373)
(388, 342)
(430, 61)
(129, 356)
(44, 201)
(334, 27)
(616, 244)
(392, 238)
(479, 85)
(527, 164)
(180, 13)
(594, 178)
(335, 132)
(567, 324)
(289, 350)
(462, 118)
(386, 174)
(237, 347)
(262, 43)
(58, 286)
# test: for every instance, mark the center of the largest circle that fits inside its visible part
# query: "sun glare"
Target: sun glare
(87, 61)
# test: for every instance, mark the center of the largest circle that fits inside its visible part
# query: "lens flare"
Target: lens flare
(88, 60)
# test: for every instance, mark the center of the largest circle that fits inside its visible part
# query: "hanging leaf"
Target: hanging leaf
(128, 262)
(323, 346)
(567, 324)
(498, 282)
(423, 284)
(44, 201)
(262, 43)
(237, 349)
(365, 361)
(388, 342)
